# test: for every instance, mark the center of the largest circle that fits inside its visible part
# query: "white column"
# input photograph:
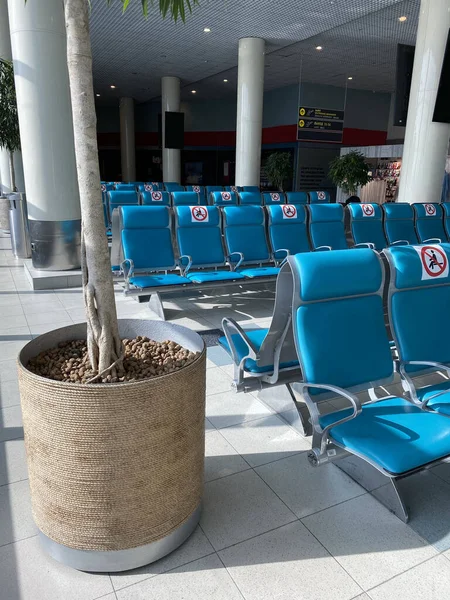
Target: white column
(249, 110)
(127, 143)
(38, 40)
(426, 143)
(170, 101)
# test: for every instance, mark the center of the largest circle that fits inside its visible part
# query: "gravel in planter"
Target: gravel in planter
(144, 358)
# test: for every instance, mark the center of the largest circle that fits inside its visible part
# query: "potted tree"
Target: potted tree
(9, 131)
(114, 437)
(278, 168)
(349, 172)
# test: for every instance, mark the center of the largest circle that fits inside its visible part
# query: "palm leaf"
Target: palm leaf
(174, 8)
(9, 122)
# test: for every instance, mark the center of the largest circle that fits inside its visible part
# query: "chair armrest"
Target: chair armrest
(435, 240)
(238, 264)
(229, 327)
(400, 242)
(320, 248)
(279, 261)
(127, 267)
(412, 388)
(184, 270)
(365, 244)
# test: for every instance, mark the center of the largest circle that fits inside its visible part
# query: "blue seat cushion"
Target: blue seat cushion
(157, 280)
(256, 336)
(394, 434)
(260, 271)
(206, 276)
(441, 404)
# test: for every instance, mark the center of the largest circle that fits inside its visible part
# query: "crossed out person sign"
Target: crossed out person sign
(367, 210)
(226, 196)
(275, 197)
(434, 261)
(156, 196)
(289, 211)
(430, 210)
(199, 214)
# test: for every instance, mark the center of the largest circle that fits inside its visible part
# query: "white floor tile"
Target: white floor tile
(16, 521)
(40, 329)
(11, 426)
(12, 322)
(368, 541)
(8, 370)
(204, 579)
(239, 507)
(8, 300)
(27, 573)
(42, 318)
(326, 485)
(197, 546)
(285, 564)
(9, 391)
(264, 440)
(13, 462)
(11, 310)
(217, 381)
(230, 408)
(428, 581)
(221, 459)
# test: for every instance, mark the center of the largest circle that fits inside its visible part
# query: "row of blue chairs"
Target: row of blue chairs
(328, 334)
(399, 223)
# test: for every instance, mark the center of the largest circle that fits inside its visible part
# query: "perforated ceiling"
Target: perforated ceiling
(358, 37)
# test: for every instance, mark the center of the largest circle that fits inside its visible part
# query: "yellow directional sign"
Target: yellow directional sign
(301, 123)
(302, 112)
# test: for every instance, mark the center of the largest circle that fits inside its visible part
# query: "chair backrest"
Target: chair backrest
(420, 283)
(198, 189)
(244, 231)
(250, 188)
(223, 198)
(213, 188)
(429, 222)
(199, 235)
(153, 186)
(117, 198)
(172, 186)
(326, 226)
(147, 238)
(125, 187)
(446, 210)
(287, 228)
(319, 197)
(399, 222)
(297, 197)
(185, 198)
(233, 188)
(250, 198)
(338, 318)
(106, 187)
(273, 198)
(366, 224)
(155, 198)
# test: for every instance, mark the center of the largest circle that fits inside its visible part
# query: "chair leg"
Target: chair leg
(156, 305)
(384, 489)
(303, 412)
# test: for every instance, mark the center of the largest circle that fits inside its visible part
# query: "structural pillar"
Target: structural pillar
(38, 40)
(127, 142)
(426, 143)
(249, 111)
(171, 158)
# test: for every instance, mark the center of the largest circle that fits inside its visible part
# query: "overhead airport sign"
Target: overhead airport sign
(320, 124)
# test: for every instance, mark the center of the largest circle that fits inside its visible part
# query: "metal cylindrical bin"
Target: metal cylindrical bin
(18, 225)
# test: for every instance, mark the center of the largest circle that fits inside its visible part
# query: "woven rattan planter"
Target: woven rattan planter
(116, 470)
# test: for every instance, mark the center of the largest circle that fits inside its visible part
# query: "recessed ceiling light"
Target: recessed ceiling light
(98, 95)
(350, 78)
(113, 87)
(207, 30)
(402, 19)
(225, 80)
(193, 91)
(319, 48)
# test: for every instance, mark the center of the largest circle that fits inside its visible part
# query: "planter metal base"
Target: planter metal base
(120, 560)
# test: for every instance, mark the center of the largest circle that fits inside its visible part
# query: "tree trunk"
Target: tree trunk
(104, 344)
(12, 172)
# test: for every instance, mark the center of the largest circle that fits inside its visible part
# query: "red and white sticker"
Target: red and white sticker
(103, 187)
(434, 261)
(156, 196)
(196, 188)
(289, 211)
(148, 187)
(321, 195)
(233, 188)
(430, 210)
(367, 210)
(154, 183)
(275, 197)
(226, 196)
(199, 214)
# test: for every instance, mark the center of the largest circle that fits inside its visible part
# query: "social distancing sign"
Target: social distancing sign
(289, 211)
(148, 187)
(156, 196)
(226, 196)
(367, 210)
(434, 261)
(196, 188)
(199, 214)
(275, 197)
(430, 210)
(321, 195)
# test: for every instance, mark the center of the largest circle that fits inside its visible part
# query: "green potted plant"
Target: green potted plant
(349, 172)
(278, 168)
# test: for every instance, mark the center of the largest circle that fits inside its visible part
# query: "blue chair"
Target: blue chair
(429, 223)
(213, 188)
(446, 210)
(250, 198)
(366, 225)
(185, 198)
(319, 197)
(172, 186)
(106, 187)
(117, 198)
(125, 187)
(199, 238)
(155, 198)
(326, 226)
(273, 198)
(288, 233)
(297, 197)
(223, 198)
(418, 301)
(250, 188)
(198, 189)
(154, 186)
(399, 223)
(338, 312)
(233, 188)
(245, 240)
(148, 257)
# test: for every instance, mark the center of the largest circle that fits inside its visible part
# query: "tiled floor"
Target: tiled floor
(272, 526)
